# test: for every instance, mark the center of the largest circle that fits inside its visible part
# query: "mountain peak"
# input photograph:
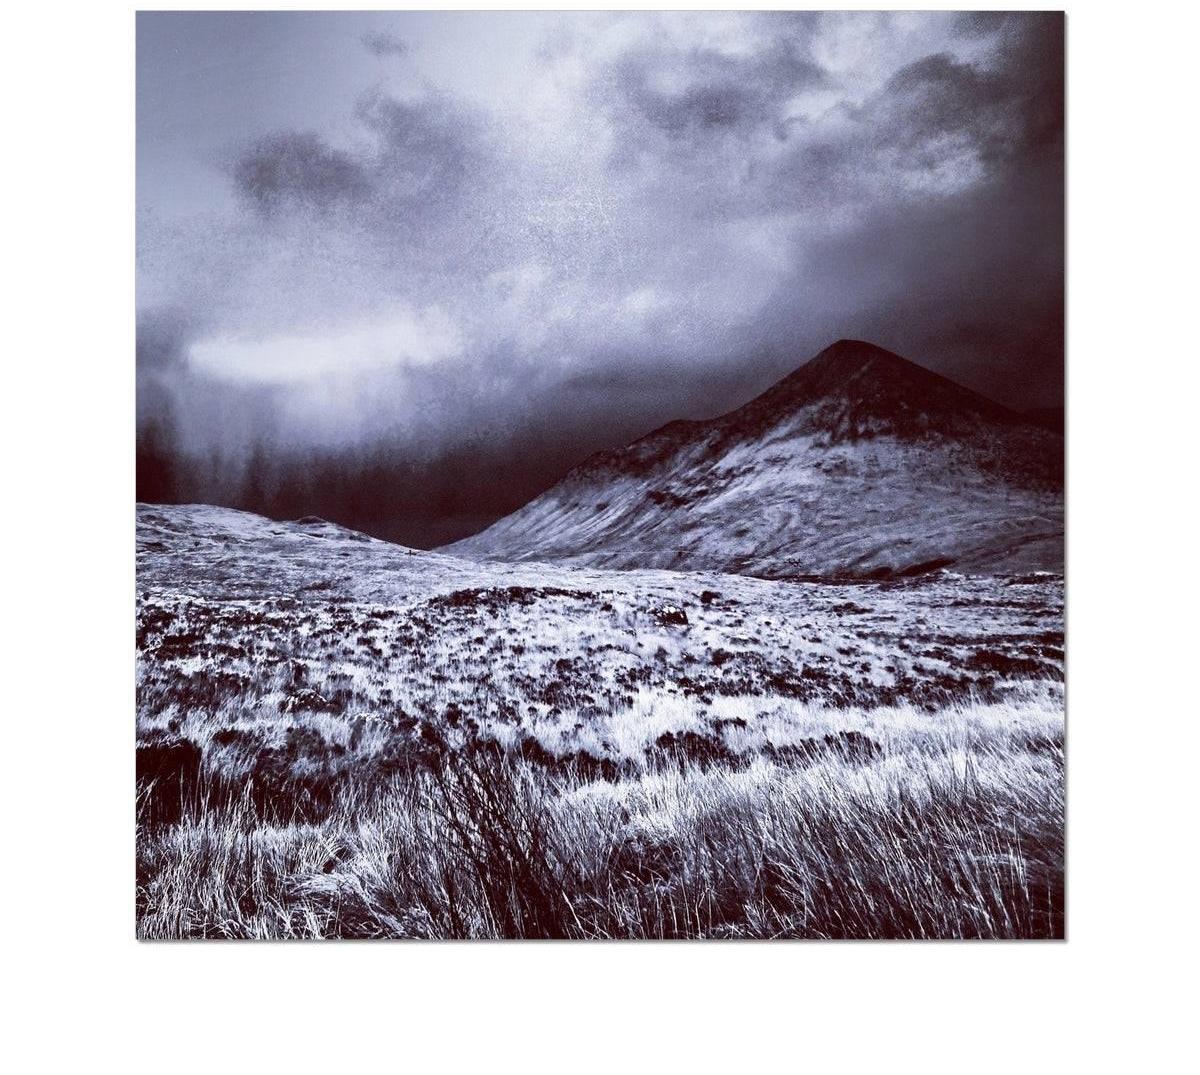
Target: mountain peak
(854, 353)
(858, 389)
(858, 463)
(852, 358)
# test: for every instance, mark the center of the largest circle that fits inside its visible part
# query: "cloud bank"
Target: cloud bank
(417, 314)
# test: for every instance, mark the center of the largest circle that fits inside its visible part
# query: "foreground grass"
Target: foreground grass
(954, 836)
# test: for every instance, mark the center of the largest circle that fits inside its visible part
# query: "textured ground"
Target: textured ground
(338, 737)
(307, 622)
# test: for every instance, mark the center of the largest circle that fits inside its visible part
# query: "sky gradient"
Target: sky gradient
(403, 270)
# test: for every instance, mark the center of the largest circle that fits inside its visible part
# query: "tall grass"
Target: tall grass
(951, 839)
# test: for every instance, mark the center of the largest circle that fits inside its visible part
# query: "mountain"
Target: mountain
(858, 464)
(1051, 418)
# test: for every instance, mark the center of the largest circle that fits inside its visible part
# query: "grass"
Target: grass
(956, 831)
(341, 738)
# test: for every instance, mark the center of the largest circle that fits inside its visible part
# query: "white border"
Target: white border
(84, 994)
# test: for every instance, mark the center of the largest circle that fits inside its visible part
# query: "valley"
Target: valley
(795, 671)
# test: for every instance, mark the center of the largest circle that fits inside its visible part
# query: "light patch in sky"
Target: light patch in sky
(406, 339)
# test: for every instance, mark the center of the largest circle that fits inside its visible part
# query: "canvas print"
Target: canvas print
(600, 475)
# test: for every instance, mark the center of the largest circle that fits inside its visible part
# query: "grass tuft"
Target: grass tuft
(950, 839)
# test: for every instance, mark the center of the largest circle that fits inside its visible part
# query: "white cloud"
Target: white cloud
(407, 338)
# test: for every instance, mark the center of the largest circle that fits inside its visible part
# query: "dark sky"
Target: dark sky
(404, 269)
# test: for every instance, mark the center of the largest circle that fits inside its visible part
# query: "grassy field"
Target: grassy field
(340, 738)
(954, 829)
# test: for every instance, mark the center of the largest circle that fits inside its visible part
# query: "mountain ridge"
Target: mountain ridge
(853, 464)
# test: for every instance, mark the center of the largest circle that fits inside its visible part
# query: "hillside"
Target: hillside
(858, 464)
(287, 619)
(330, 727)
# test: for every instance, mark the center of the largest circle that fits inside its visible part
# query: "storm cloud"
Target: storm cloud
(381, 43)
(409, 296)
(298, 169)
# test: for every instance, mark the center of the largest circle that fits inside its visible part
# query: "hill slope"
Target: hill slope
(288, 621)
(860, 463)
